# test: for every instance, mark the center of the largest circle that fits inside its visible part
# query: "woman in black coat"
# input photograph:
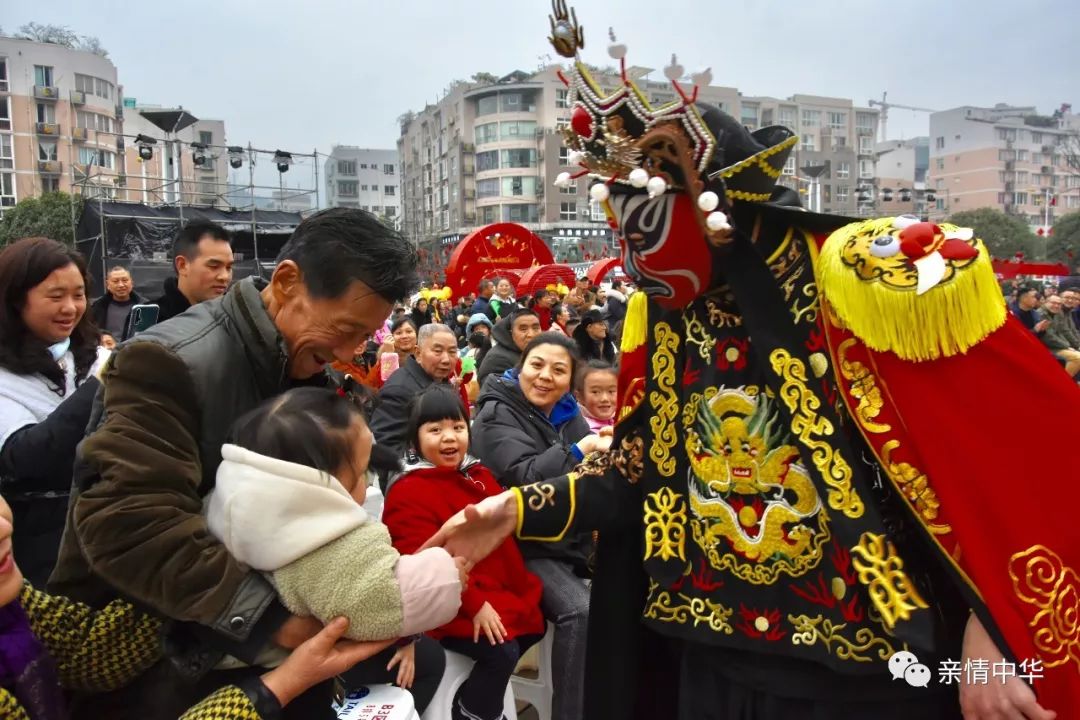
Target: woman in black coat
(593, 338)
(528, 428)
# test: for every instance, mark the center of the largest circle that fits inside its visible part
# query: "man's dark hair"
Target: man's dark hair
(485, 284)
(339, 246)
(520, 313)
(187, 240)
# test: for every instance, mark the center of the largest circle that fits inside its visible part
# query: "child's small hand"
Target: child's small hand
(463, 572)
(489, 621)
(405, 659)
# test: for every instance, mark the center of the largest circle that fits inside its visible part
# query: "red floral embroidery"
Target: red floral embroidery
(749, 617)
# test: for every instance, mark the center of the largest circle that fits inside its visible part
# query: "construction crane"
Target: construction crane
(885, 105)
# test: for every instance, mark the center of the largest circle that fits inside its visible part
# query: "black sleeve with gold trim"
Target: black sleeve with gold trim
(600, 494)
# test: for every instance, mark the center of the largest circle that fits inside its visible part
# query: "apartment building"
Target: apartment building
(490, 152)
(62, 125)
(365, 178)
(1006, 157)
(901, 177)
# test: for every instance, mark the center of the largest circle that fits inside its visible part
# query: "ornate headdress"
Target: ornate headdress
(620, 139)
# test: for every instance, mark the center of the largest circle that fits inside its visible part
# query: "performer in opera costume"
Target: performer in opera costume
(815, 465)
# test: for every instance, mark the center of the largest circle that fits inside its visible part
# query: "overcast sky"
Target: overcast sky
(307, 74)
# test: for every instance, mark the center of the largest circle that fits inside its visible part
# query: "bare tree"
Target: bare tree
(91, 44)
(52, 34)
(1069, 148)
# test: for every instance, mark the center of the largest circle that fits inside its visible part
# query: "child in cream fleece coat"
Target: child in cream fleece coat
(288, 501)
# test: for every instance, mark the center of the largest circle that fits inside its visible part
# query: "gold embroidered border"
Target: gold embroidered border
(695, 611)
(915, 486)
(863, 388)
(810, 427)
(665, 525)
(881, 571)
(664, 401)
(536, 497)
(1042, 579)
(760, 573)
(810, 631)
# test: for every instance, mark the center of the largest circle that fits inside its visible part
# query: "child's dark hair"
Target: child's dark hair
(434, 404)
(593, 366)
(306, 426)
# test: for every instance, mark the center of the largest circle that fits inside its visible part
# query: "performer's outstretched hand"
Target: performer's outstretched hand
(1013, 700)
(478, 529)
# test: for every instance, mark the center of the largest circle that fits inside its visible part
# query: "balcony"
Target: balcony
(47, 128)
(79, 134)
(468, 148)
(46, 92)
(1010, 165)
(77, 97)
(469, 193)
(50, 167)
(81, 169)
(468, 170)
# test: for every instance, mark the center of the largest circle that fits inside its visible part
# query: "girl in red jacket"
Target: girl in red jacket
(500, 611)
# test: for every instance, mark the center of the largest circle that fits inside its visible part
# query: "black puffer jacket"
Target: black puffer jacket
(522, 446)
(502, 356)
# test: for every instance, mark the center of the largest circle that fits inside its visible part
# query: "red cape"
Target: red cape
(980, 445)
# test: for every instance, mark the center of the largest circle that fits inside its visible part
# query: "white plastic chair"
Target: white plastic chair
(385, 702)
(457, 670)
(538, 692)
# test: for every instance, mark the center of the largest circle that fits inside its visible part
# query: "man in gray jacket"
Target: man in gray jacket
(135, 525)
(1061, 335)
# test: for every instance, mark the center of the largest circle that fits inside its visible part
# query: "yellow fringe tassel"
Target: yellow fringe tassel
(947, 320)
(636, 323)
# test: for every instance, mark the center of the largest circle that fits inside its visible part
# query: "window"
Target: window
(487, 105)
(517, 102)
(1006, 134)
(7, 189)
(513, 186)
(50, 184)
(811, 118)
(389, 190)
(46, 151)
(1022, 155)
(46, 113)
(864, 121)
(514, 130)
(1021, 198)
(1037, 138)
(789, 166)
(43, 75)
(841, 193)
(206, 138)
(1022, 177)
(7, 156)
(99, 158)
(866, 144)
(388, 169)
(363, 166)
(596, 212)
(843, 171)
(103, 88)
(839, 141)
(348, 188)
(519, 158)
(564, 155)
(5, 113)
(391, 211)
(3, 75)
(568, 211)
(346, 167)
(749, 115)
(520, 213)
(787, 117)
(489, 132)
(940, 163)
(838, 120)
(84, 84)
(866, 169)
(487, 188)
(487, 160)
(561, 100)
(809, 143)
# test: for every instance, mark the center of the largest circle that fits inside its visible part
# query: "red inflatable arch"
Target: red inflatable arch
(544, 275)
(599, 269)
(492, 250)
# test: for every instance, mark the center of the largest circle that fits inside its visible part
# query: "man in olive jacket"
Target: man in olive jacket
(135, 526)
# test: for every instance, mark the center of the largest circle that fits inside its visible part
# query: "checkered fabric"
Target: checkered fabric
(228, 703)
(95, 650)
(10, 709)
